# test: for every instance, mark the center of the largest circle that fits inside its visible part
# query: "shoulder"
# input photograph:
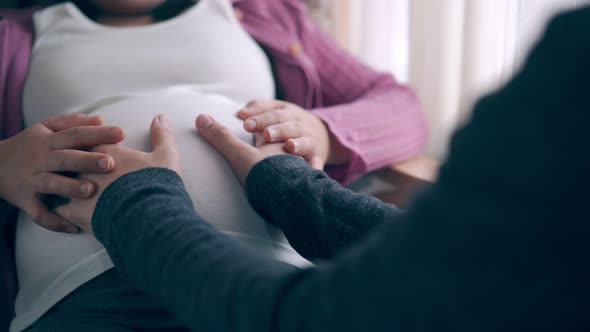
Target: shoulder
(570, 26)
(563, 48)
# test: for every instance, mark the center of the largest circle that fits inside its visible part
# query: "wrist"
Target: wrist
(338, 153)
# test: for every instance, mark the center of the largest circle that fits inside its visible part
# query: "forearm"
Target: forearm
(211, 283)
(148, 225)
(318, 216)
(377, 119)
(384, 126)
(394, 280)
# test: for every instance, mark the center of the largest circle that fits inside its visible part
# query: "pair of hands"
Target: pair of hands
(241, 157)
(33, 159)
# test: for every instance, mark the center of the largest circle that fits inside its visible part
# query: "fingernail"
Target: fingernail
(272, 133)
(293, 146)
(116, 132)
(163, 121)
(98, 119)
(204, 121)
(104, 163)
(72, 230)
(86, 189)
(250, 124)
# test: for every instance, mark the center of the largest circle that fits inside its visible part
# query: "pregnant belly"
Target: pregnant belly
(217, 195)
(44, 257)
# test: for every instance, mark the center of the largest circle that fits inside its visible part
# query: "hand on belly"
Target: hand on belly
(215, 192)
(45, 271)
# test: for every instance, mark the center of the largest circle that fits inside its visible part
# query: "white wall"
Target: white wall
(379, 33)
(450, 51)
(462, 49)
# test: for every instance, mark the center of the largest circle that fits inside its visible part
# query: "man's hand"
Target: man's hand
(32, 159)
(302, 132)
(164, 154)
(241, 156)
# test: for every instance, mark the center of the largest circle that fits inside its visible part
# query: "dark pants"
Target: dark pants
(108, 303)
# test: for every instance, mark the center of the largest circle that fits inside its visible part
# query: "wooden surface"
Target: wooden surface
(398, 183)
(421, 168)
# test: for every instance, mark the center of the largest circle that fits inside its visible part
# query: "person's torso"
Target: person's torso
(200, 61)
(78, 65)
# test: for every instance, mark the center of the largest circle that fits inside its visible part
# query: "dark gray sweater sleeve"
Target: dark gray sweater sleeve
(318, 216)
(212, 283)
(147, 223)
(499, 243)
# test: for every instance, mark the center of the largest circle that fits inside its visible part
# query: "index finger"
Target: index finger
(220, 137)
(241, 156)
(59, 123)
(87, 136)
(256, 107)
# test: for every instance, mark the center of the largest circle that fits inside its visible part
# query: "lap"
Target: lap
(107, 303)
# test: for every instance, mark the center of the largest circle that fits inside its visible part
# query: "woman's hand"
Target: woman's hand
(303, 133)
(31, 160)
(241, 156)
(164, 154)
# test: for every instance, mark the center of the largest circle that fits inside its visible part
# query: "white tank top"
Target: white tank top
(200, 61)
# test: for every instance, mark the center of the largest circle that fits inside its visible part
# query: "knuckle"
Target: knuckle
(58, 161)
(307, 140)
(44, 164)
(44, 183)
(75, 133)
(104, 149)
(39, 126)
(216, 132)
(300, 127)
(49, 164)
(253, 103)
(37, 135)
(79, 117)
(291, 126)
(47, 124)
(222, 132)
(283, 114)
(266, 119)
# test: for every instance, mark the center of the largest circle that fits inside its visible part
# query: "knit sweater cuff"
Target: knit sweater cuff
(264, 184)
(124, 191)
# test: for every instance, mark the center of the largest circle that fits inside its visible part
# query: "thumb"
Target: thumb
(241, 156)
(161, 137)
